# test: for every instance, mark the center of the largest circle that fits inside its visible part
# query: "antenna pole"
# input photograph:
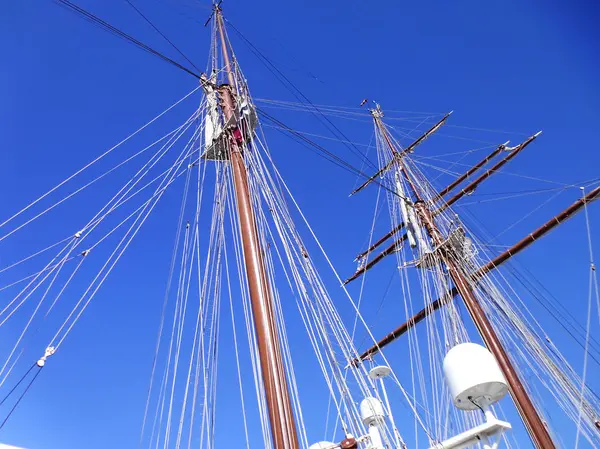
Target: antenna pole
(281, 417)
(529, 414)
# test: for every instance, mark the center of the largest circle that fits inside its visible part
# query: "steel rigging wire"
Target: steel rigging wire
(117, 32)
(143, 16)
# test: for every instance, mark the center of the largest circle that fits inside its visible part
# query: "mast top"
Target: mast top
(376, 112)
(215, 10)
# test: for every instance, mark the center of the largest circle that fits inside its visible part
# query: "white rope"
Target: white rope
(48, 209)
(8, 267)
(122, 246)
(31, 318)
(354, 353)
(110, 150)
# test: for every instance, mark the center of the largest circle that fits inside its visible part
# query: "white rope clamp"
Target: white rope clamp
(49, 351)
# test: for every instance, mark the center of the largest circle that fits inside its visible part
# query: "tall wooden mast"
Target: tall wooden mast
(535, 426)
(281, 417)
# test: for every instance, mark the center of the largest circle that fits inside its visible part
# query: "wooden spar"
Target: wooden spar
(408, 149)
(372, 178)
(473, 185)
(428, 133)
(403, 328)
(482, 271)
(389, 250)
(380, 241)
(469, 172)
(281, 417)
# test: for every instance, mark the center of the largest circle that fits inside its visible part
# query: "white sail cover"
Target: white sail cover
(244, 118)
(248, 113)
(214, 147)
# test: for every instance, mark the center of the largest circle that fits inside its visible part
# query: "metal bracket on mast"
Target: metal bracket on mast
(376, 112)
(47, 353)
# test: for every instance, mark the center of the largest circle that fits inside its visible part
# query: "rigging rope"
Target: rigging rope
(117, 32)
(14, 407)
(593, 285)
(298, 93)
(323, 152)
(110, 150)
(161, 33)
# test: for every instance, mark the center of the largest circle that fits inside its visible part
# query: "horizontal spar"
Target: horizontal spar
(494, 263)
(389, 250)
(408, 149)
(473, 185)
(470, 171)
(380, 241)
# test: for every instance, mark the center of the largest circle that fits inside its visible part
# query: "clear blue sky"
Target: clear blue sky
(69, 90)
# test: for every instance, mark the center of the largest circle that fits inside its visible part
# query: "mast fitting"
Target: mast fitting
(47, 353)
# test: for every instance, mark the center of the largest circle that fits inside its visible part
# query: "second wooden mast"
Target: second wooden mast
(532, 420)
(281, 417)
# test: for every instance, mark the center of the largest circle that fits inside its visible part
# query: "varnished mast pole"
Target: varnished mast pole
(281, 417)
(529, 414)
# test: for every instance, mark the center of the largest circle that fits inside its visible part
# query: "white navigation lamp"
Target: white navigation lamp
(380, 373)
(373, 416)
(475, 382)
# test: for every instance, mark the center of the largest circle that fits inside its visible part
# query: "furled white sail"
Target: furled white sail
(213, 129)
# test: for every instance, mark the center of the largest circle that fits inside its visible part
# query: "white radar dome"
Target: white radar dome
(371, 411)
(473, 376)
(320, 445)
